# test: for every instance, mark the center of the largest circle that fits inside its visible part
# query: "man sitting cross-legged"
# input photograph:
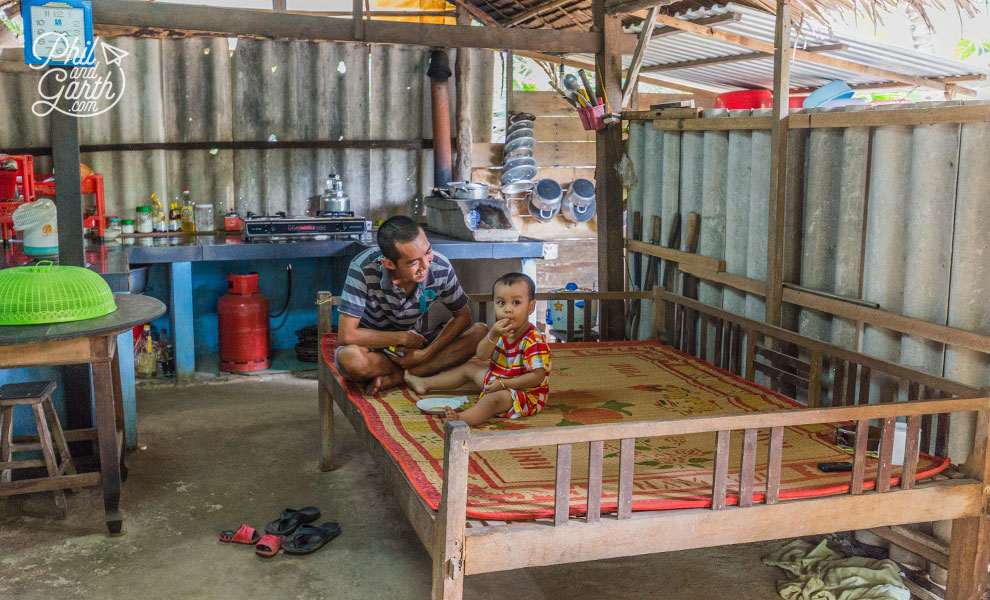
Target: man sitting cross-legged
(386, 296)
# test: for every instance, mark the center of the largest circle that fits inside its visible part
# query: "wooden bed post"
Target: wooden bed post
(969, 550)
(324, 316)
(448, 545)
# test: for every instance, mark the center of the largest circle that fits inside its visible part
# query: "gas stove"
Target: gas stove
(324, 225)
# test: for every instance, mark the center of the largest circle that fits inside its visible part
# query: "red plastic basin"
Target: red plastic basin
(745, 99)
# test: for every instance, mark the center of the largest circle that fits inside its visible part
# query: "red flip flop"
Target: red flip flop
(268, 545)
(244, 535)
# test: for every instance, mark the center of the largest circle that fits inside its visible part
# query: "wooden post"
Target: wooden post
(462, 89)
(448, 548)
(778, 161)
(508, 86)
(357, 12)
(324, 315)
(969, 550)
(608, 149)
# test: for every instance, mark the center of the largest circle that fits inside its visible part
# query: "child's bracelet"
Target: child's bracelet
(501, 382)
(495, 341)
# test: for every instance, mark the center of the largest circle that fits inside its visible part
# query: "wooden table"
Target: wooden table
(94, 342)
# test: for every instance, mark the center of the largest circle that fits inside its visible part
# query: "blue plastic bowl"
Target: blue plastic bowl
(830, 91)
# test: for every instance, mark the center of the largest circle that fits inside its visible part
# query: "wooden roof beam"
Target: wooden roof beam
(900, 85)
(810, 57)
(580, 64)
(660, 32)
(535, 12)
(718, 60)
(475, 12)
(632, 79)
(165, 20)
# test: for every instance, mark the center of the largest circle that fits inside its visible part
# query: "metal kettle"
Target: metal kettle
(334, 199)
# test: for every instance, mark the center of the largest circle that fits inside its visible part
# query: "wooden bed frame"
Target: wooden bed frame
(460, 546)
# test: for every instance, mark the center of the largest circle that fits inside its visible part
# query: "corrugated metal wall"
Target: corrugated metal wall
(897, 215)
(196, 90)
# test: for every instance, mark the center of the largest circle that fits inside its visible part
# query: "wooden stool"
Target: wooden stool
(37, 394)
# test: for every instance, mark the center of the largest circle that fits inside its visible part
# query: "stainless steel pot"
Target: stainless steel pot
(468, 190)
(547, 195)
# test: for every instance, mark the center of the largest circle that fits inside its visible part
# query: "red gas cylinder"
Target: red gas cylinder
(242, 320)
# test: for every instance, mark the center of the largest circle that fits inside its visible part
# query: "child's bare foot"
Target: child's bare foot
(450, 414)
(416, 384)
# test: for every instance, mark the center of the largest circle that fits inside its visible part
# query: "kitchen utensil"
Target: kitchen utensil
(577, 214)
(519, 143)
(547, 194)
(520, 124)
(435, 406)
(519, 133)
(517, 187)
(467, 190)
(518, 174)
(521, 117)
(587, 86)
(542, 214)
(518, 162)
(830, 91)
(517, 153)
(573, 87)
(47, 293)
(581, 193)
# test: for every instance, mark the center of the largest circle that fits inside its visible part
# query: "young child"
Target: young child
(511, 366)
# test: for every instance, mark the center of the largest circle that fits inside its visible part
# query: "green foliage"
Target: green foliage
(966, 48)
(15, 27)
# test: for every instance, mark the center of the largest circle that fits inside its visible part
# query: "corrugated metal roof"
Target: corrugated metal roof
(758, 73)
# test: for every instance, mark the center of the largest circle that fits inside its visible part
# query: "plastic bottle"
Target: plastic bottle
(187, 213)
(158, 214)
(174, 223)
(146, 360)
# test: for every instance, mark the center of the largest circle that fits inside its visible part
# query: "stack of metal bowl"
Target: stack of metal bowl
(518, 164)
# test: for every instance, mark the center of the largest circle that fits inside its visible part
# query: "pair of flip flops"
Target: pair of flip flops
(308, 538)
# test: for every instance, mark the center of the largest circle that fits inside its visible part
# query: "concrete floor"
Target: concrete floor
(215, 456)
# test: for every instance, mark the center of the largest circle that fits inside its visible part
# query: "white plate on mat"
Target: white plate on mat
(435, 405)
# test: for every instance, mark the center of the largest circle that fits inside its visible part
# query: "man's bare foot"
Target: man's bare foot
(450, 414)
(416, 384)
(383, 382)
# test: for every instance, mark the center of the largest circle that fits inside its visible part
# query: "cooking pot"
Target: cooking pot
(468, 190)
(547, 194)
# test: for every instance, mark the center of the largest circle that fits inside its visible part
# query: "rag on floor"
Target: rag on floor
(818, 573)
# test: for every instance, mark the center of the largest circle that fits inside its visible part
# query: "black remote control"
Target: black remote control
(835, 467)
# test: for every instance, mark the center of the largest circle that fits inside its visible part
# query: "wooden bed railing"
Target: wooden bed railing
(818, 373)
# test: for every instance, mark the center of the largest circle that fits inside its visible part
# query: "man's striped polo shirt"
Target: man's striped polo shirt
(370, 295)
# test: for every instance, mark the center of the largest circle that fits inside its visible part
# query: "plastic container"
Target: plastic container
(745, 99)
(794, 101)
(203, 216)
(113, 229)
(143, 223)
(557, 316)
(592, 117)
(38, 224)
(127, 226)
(900, 441)
(830, 91)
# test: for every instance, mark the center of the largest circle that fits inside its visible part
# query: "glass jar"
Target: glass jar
(127, 226)
(112, 230)
(204, 217)
(143, 223)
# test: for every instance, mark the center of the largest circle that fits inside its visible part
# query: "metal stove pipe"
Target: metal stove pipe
(439, 72)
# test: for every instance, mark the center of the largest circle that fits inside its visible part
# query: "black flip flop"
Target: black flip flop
(310, 538)
(291, 519)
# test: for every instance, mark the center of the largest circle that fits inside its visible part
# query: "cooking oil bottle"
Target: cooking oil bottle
(187, 213)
